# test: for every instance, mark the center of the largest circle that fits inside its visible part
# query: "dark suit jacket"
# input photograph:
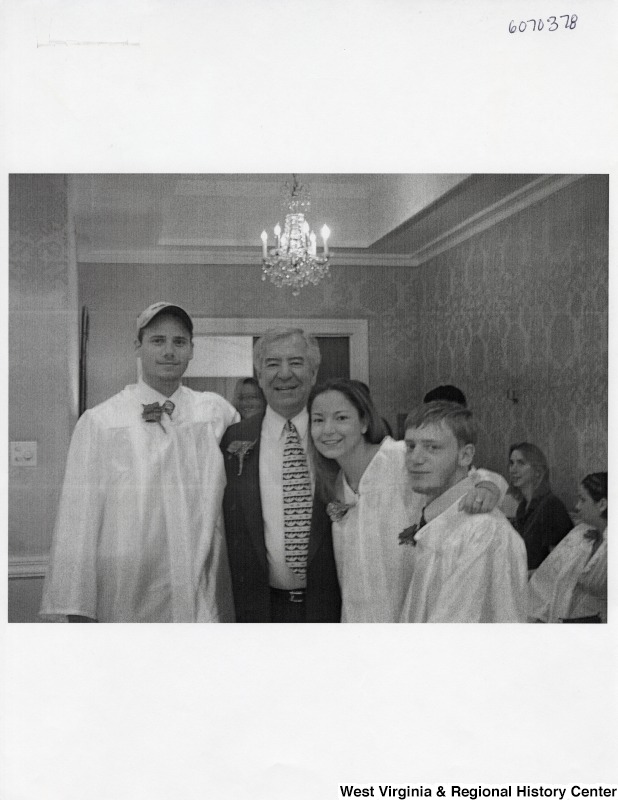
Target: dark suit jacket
(542, 525)
(244, 531)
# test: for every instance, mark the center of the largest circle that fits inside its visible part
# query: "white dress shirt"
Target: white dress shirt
(272, 442)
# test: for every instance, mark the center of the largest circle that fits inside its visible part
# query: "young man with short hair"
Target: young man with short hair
(139, 534)
(467, 568)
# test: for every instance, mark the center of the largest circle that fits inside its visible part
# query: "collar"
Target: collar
(447, 498)
(274, 423)
(146, 394)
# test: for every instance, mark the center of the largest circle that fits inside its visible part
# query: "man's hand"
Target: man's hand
(481, 499)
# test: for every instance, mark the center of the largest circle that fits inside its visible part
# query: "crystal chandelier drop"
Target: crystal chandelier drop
(294, 261)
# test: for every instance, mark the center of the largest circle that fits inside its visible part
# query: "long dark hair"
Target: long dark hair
(536, 458)
(327, 469)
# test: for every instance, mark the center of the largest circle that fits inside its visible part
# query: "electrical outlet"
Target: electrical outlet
(23, 454)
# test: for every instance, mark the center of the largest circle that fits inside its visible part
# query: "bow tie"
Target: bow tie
(152, 412)
(409, 535)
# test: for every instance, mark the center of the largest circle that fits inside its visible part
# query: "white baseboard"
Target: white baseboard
(27, 566)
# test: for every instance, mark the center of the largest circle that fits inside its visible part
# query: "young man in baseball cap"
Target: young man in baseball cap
(139, 534)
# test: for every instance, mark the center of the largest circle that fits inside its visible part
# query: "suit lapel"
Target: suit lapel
(249, 491)
(319, 525)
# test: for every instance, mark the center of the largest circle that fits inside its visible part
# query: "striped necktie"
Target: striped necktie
(297, 501)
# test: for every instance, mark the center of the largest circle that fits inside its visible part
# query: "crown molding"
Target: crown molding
(534, 192)
(28, 566)
(209, 256)
(530, 194)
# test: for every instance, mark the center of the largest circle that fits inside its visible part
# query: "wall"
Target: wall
(41, 312)
(522, 306)
(24, 599)
(115, 294)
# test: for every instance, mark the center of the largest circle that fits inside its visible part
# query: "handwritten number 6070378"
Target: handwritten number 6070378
(539, 24)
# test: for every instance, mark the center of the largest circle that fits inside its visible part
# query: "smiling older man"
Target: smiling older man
(278, 538)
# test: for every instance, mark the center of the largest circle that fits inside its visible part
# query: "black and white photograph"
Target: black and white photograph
(308, 324)
(300, 515)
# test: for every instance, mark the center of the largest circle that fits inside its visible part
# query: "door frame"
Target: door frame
(356, 331)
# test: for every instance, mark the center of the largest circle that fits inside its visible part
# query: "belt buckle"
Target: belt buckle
(296, 596)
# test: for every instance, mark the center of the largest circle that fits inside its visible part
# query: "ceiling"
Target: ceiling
(218, 218)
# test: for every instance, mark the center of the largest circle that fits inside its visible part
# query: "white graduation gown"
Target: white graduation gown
(570, 582)
(468, 568)
(374, 570)
(139, 532)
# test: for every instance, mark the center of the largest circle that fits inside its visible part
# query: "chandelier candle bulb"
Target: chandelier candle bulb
(278, 235)
(313, 249)
(325, 232)
(264, 238)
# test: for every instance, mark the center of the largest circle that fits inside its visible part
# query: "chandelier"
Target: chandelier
(294, 261)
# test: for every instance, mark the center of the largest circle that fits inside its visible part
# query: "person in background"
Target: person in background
(571, 584)
(139, 534)
(361, 475)
(466, 568)
(541, 518)
(249, 399)
(278, 535)
(449, 393)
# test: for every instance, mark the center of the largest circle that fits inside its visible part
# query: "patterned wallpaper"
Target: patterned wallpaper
(38, 361)
(521, 307)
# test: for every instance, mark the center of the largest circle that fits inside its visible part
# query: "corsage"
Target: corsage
(240, 450)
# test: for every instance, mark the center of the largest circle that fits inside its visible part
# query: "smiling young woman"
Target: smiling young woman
(345, 428)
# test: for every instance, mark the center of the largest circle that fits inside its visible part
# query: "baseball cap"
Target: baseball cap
(156, 308)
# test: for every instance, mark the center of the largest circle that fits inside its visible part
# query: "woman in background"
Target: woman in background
(361, 475)
(249, 398)
(571, 584)
(541, 518)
